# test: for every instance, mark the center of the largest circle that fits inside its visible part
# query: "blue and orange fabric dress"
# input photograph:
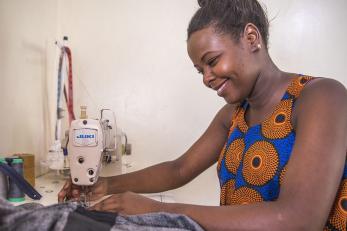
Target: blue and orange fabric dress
(252, 164)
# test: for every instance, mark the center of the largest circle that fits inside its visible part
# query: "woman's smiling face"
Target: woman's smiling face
(226, 65)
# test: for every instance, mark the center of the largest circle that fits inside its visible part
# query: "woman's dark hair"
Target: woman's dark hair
(230, 17)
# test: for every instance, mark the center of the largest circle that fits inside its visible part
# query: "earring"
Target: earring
(259, 46)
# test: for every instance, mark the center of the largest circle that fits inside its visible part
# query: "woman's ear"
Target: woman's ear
(252, 37)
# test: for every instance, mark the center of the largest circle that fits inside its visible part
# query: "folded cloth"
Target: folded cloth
(34, 216)
(70, 216)
(155, 221)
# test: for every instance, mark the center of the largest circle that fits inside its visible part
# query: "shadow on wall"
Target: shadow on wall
(36, 58)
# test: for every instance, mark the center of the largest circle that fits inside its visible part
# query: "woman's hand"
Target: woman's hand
(95, 192)
(128, 203)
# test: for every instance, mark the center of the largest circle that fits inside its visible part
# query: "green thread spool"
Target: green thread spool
(14, 192)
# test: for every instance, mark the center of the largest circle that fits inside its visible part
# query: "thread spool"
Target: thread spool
(83, 112)
(14, 192)
(28, 167)
(3, 182)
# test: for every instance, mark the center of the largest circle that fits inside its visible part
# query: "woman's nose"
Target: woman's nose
(208, 77)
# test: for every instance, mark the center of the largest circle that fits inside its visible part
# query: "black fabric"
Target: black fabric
(77, 221)
(105, 217)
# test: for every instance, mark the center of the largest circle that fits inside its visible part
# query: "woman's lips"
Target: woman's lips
(222, 88)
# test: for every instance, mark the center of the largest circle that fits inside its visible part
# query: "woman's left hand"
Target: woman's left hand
(128, 203)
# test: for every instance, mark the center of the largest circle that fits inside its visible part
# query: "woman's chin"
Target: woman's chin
(232, 99)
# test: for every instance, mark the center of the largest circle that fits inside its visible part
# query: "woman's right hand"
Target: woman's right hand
(73, 192)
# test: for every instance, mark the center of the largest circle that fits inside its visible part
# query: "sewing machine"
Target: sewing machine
(92, 143)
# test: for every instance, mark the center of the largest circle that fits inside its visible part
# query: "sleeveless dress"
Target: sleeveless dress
(252, 163)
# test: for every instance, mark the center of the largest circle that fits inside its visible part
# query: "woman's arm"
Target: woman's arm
(313, 173)
(173, 174)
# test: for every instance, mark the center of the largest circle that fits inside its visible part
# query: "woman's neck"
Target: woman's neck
(267, 85)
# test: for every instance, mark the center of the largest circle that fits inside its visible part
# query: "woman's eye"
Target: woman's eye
(212, 61)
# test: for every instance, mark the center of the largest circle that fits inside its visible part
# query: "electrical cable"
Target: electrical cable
(70, 85)
(59, 110)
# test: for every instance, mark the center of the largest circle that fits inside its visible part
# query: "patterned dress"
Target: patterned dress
(252, 164)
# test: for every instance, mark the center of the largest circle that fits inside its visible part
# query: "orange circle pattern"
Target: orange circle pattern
(241, 121)
(338, 216)
(244, 195)
(232, 127)
(297, 85)
(272, 128)
(226, 192)
(283, 173)
(260, 175)
(233, 155)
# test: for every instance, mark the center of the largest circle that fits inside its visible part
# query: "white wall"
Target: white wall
(130, 56)
(309, 37)
(27, 54)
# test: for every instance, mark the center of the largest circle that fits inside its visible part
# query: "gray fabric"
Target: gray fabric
(33, 216)
(156, 222)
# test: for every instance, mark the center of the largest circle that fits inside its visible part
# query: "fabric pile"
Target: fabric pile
(70, 216)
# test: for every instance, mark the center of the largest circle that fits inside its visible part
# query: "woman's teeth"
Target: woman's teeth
(220, 90)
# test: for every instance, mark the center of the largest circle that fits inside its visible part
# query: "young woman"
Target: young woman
(280, 141)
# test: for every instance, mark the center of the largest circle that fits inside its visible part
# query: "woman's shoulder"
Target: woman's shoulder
(322, 89)
(324, 83)
(322, 94)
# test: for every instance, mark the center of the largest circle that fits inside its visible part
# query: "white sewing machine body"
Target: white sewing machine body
(85, 151)
(93, 143)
